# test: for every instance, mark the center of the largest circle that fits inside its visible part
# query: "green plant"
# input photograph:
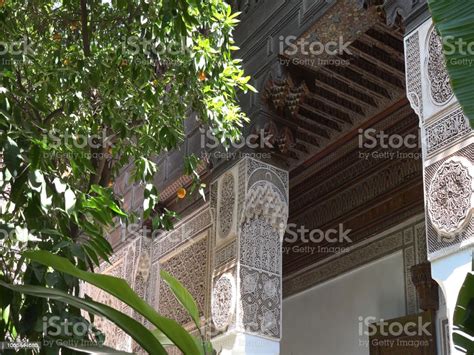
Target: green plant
(463, 318)
(86, 90)
(454, 21)
(167, 331)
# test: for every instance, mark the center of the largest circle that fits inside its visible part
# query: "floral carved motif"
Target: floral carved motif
(226, 207)
(449, 197)
(223, 301)
(440, 87)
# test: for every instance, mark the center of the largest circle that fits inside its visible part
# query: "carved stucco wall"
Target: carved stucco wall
(447, 144)
(183, 252)
(227, 254)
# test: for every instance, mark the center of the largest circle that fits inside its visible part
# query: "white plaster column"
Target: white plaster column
(448, 147)
(249, 206)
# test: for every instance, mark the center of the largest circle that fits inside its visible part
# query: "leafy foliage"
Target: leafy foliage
(463, 319)
(168, 331)
(88, 88)
(454, 20)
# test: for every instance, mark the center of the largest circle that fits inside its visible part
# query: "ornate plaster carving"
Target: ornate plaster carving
(226, 205)
(189, 266)
(223, 301)
(260, 302)
(264, 201)
(440, 87)
(446, 131)
(450, 195)
(260, 245)
(413, 73)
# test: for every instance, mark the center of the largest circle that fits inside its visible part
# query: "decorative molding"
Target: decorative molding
(450, 194)
(254, 255)
(260, 245)
(225, 254)
(265, 202)
(440, 243)
(260, 294)
(182, 232)
(394, 9)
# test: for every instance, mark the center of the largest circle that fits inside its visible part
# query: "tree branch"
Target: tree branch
(86, 45)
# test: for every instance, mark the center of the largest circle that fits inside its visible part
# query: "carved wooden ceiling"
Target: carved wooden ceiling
(314, 103)
(317, 105)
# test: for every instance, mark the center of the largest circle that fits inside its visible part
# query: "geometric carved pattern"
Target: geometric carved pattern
(189, 266)
(223, 301)
(226, 208)
(260, 246)
(446, 130)
(260, 302)
(449, 196)
(413, 73)
(440, 87)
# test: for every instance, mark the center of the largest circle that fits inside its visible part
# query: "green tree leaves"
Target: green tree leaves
(88, 90)
(454, 20)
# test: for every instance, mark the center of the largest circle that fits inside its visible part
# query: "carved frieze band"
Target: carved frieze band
(446, 131)
(182, 232)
